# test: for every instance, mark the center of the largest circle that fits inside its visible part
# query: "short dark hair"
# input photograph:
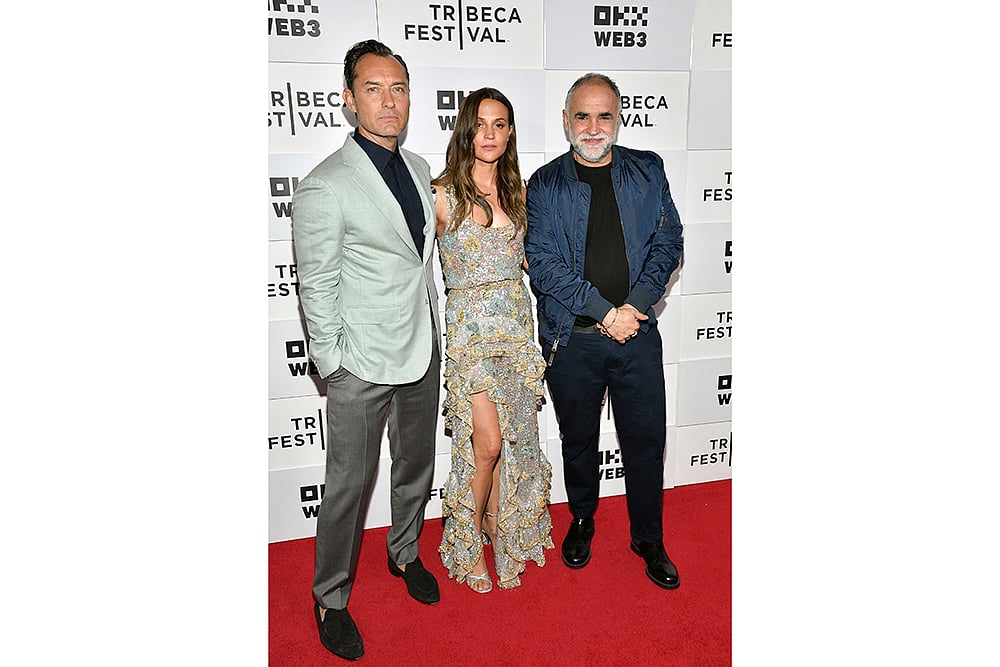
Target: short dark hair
(368, 46)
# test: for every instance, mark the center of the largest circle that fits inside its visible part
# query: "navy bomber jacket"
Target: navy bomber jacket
(555, 244)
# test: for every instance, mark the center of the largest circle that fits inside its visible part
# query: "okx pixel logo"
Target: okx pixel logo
(448, 104)
(299, 18)
(613, 25)
(299, 363)
(317, 31)
(610, 462)
(286, 171)
(311, 497)
(291, 371)
(725, 389)
(282, 189)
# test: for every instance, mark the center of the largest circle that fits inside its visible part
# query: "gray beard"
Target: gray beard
(589, 155)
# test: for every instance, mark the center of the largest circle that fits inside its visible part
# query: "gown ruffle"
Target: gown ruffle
(490, 347)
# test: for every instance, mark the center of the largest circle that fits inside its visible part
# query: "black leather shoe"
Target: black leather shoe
(659, 569)
(419, 582)
(338, 633)
(576, 546)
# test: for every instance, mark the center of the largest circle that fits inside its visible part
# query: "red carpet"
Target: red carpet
(608, 613)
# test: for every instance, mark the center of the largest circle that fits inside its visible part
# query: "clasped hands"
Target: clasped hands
(622, 323)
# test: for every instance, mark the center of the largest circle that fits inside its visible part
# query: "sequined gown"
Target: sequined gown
(490, 347)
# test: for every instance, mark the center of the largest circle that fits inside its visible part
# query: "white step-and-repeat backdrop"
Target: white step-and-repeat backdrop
(671, 60)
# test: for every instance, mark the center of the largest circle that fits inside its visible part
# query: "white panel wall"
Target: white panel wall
(671, 59)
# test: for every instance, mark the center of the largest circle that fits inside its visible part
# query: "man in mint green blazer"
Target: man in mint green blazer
(363, 231)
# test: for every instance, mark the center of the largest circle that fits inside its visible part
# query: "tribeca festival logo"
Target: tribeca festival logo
(640, 106)
(719, 194)
(628, 16)
(723, 328)
(723, 39)
(311, 497)
(469, 23)
(436, 494)
(725, 389)
(728, 254)
(287, 284)
(296, 110)
(293, 27)
(299, 363)
(306, 430)
(720, 453)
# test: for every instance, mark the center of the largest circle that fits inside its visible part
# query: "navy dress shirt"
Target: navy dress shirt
(392, 168)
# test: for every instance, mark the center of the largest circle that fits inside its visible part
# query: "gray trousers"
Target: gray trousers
(356, 413)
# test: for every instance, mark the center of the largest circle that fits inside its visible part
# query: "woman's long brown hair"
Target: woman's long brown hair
(461, 155)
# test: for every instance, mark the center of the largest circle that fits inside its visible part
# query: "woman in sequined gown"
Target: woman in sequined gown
(498, 487)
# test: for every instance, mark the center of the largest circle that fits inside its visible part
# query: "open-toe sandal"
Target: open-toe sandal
(473, 579)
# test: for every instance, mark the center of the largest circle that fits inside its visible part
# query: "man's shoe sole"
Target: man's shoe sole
(341, 655)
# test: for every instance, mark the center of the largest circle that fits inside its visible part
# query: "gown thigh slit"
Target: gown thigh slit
(490, 348)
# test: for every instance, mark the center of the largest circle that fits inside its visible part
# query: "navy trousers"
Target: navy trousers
(632, 375)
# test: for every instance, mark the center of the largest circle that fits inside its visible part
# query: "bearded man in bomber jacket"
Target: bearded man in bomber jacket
(603, 238)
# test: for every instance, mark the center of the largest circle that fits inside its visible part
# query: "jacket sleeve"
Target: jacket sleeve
(550, 266)
(665, 251)
(318, 237)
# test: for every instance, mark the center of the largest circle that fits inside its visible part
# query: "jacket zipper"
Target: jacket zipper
(621, 222)
(555, 343)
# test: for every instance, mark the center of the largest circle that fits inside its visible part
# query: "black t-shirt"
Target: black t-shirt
(605, 262)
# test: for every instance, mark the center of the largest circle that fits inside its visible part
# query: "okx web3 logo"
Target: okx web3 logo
(282, 189)
(448, 104)
(299, 18)
(311, 497)
(725, 389)
(611, 21)
(299, 363)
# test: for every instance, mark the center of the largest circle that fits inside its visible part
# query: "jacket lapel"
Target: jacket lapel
(371, 185)
(426, 202)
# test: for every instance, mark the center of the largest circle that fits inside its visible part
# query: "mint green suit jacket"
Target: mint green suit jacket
(367, 296)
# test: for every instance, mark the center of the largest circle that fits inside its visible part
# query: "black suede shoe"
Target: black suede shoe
(338, 633)
(419, 582)
(659, 569)
(576, 546)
